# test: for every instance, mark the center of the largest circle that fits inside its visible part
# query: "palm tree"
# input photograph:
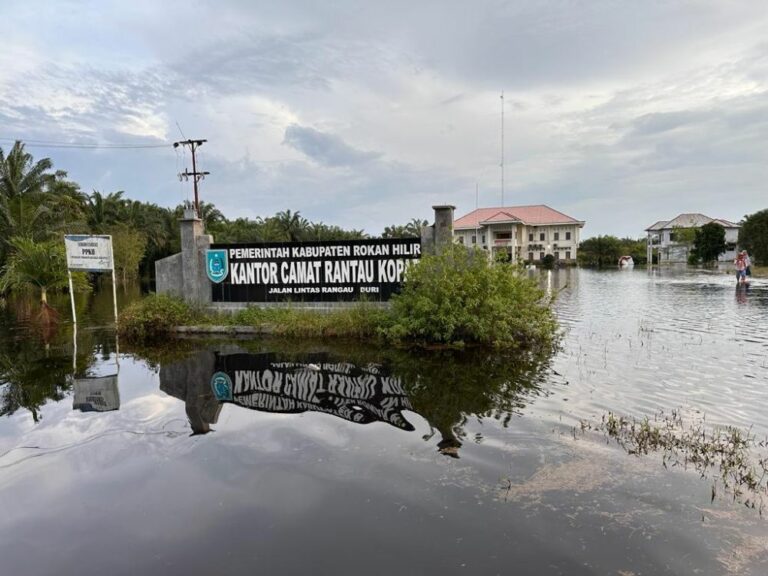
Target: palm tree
(103, 210)
(20, 175)
(37, 266)
(291, 224)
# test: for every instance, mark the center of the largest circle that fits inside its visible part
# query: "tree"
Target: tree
(709, 242)
(635, 248)
(684, 235)
(292, 225)
(104, 211)
(22, 183)
(38, 266)
(600, 251)
(412, 229)
(20, 175)
(753, 236)
(128, 246)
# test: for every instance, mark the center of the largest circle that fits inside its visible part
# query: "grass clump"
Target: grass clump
(156, 316)
(361, 321)
(734, 459)
(460, 296)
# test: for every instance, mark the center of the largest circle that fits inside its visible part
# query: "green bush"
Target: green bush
(461, 297)
(155, 316)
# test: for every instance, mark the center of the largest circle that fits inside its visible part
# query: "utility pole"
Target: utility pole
(196, 176)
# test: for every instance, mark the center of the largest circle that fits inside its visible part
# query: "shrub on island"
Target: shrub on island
(462, 297)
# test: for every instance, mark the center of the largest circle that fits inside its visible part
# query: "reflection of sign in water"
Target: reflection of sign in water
(310, 271)
(96, 394)
(221, 386)
(89, 253)
(216, 265)
(357, 394)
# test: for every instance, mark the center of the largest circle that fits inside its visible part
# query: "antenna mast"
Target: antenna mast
(502, 148)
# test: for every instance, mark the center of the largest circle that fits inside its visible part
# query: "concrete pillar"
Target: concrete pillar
(443, 226)
(194, 242)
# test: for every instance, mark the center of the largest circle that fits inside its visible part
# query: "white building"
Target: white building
(523, 232)
(663, 237)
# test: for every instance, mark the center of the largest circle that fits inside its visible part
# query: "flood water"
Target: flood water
(278, 457)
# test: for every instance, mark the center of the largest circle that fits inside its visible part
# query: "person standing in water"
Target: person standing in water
(747, 262)
(741, 269)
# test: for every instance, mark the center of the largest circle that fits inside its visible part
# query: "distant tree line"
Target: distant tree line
(603, 251)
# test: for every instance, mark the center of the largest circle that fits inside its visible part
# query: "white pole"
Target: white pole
(72, 296)
(74, 350)
(114, 302)
(114, 283)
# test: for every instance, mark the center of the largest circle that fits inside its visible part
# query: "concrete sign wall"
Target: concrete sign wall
(89, 253)
(300, 274)
(309, 271)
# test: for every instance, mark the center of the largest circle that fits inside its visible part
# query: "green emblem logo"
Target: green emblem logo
(216, 265)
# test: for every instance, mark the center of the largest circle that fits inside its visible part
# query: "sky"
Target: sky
(366, 114)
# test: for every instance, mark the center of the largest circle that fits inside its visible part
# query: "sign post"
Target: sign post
(90, 254)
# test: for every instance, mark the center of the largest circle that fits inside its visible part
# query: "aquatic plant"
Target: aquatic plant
(736, 460)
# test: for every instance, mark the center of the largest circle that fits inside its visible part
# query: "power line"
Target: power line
(52, 144)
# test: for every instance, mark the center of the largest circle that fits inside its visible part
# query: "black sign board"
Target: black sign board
(310, 271)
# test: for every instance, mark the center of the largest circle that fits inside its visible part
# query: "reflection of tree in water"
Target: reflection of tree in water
(449, 387)
(31, 376)
(36, 365)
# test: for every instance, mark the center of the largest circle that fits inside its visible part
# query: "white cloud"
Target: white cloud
(365, 114)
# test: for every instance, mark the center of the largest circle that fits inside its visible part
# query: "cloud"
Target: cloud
(365, 115)
(326, 149)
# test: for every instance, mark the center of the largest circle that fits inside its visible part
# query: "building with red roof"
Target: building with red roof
(524, 232)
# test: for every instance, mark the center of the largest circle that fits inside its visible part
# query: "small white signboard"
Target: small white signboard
(89, 253)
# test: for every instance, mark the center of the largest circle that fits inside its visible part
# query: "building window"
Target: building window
(474, 239)
(567, 255)
(567, 235)
(557, 236)
(483, 238)
(503, 235)
(530, 237)
(541, 236)
(461, 239)
(530, 256)
(541, 255)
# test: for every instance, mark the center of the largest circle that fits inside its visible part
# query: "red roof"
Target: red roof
(537, 215)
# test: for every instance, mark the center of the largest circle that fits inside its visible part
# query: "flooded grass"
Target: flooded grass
(734, 459)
